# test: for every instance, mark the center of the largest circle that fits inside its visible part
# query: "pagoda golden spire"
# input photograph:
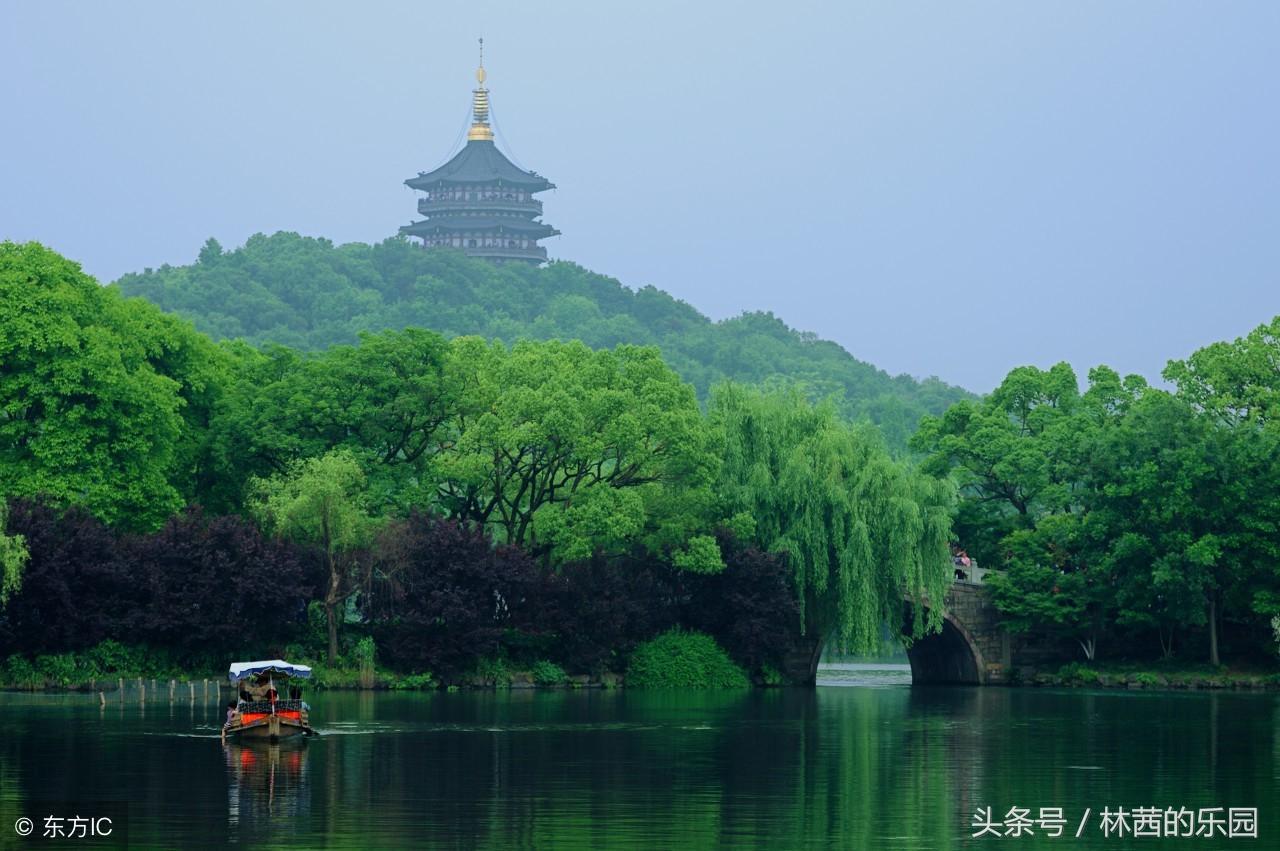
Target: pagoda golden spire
(480, 129)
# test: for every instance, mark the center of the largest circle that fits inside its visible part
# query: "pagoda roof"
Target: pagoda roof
(511, 224)
(480, 161)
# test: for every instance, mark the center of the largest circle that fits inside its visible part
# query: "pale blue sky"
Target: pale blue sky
(944, 188)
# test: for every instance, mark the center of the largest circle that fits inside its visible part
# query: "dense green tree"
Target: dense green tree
(1238, 381)
(565, 451)
(1125, 507)
(1159, 502)
(1026, 462)
(1053, 582)
(383, 400)
(861, 530)
(1237, 385)
(103, 401)
(321, 501)
(1013, 454)
(310, 294)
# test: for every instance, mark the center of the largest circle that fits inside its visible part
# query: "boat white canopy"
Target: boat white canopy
(243, 670)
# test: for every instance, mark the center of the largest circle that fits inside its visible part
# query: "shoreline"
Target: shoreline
(1153, 681)
(162, 689)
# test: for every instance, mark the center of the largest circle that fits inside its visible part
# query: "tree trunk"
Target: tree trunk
(331, 601)
(815, 656)
(331, 615)
(1213, 628)
(1166, 646)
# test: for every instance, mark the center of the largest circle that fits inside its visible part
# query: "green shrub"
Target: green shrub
(1077, 672)
(493, 670)
(546, 673)
(414, 681)
(771, 676)
(1146, 679)
(60, 669)
(679, 659)
(363, 654)
(323, 676)
(364, 651)
(112, 657)
(19, 673)
(315, 638)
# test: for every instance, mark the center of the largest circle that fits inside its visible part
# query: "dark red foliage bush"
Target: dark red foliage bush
(217, 584)
(200, 585)
(598, 610)
(446, 596)
(749, 607)
(76, 590)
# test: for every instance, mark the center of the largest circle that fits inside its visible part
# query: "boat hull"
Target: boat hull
(271, 728)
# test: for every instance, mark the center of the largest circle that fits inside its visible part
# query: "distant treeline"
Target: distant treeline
(310, 294)
(349, 474)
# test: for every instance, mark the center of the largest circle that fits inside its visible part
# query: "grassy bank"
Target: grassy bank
(675, 659)
(106, 666)
(1173, 677)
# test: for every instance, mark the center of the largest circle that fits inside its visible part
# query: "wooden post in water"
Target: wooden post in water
(120, 688)
(102, 699)
(193, 690)
(142, 692)
(172, 685)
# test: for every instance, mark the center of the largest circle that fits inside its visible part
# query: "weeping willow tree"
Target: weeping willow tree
(861, 530)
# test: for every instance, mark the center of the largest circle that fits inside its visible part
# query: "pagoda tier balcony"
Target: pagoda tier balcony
(439, 206)
(536, 254)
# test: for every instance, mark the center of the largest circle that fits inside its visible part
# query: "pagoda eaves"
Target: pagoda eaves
(479, 201)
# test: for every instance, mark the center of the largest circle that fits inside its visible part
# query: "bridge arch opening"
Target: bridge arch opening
(953, 656)
(948, 657)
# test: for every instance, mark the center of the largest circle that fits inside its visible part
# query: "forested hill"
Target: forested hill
(310, 294)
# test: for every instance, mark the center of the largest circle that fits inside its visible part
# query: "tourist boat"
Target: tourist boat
(262, 712)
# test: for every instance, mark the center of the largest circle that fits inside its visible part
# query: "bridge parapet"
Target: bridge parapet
(974, 617)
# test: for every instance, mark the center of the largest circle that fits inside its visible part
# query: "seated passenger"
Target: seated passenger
(232, 710)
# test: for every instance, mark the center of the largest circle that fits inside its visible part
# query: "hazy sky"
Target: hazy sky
(945, 188)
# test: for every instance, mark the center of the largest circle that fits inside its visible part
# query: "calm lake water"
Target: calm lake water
(863, 761)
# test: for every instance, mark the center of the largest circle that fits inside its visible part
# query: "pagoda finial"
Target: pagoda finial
(480, 129)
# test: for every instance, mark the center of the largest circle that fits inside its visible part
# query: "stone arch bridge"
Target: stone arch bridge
(972, 648)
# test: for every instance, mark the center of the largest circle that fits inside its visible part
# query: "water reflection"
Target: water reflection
(853, 767)
(267, 787)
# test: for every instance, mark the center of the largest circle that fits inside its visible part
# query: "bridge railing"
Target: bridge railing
(970, 573)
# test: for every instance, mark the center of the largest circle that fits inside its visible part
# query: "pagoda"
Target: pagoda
(479, 201)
